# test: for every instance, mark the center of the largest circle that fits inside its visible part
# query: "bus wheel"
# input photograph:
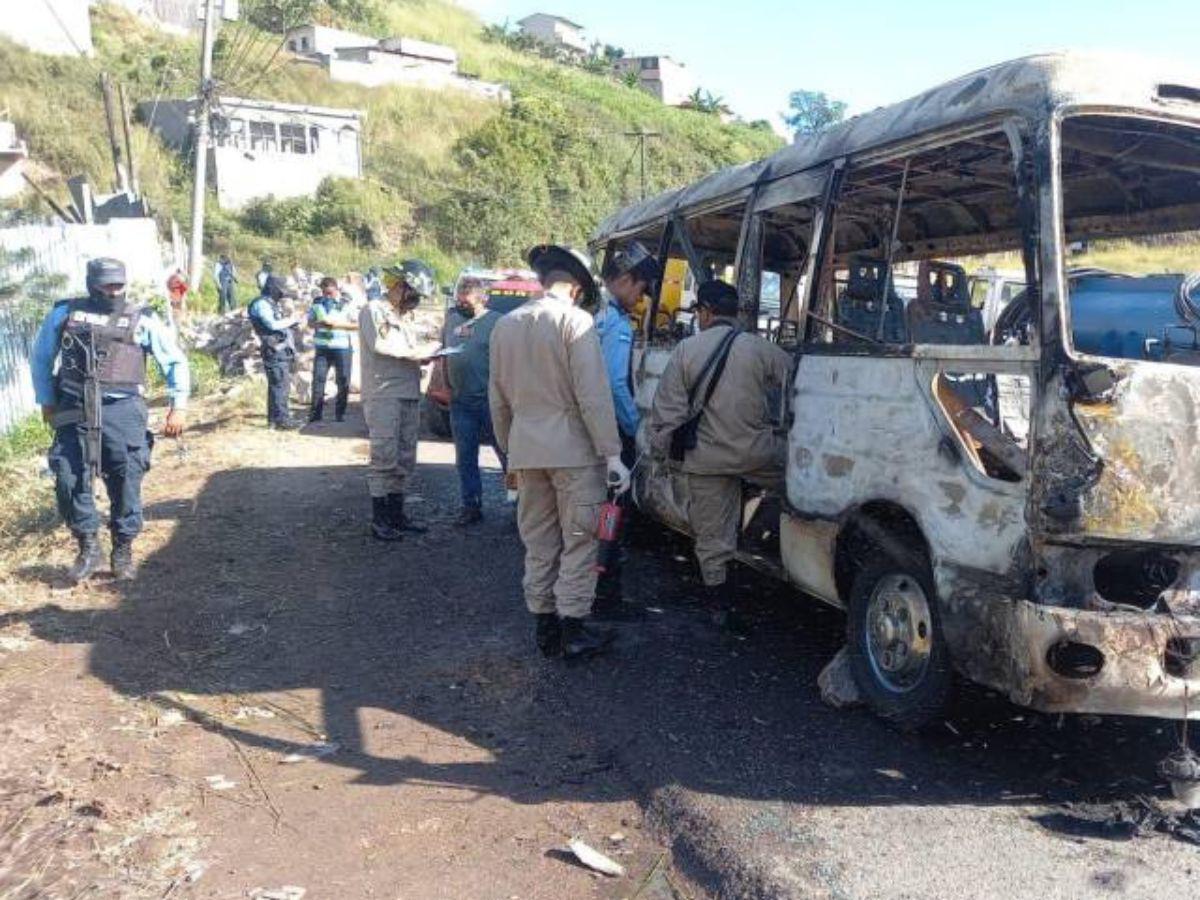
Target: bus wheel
(897, 652)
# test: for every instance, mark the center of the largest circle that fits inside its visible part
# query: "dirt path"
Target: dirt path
(278, 700)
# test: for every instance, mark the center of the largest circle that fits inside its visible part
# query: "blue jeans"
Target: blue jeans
(472, 425)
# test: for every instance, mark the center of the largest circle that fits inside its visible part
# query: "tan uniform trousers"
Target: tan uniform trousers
(394, 426)
(557, 511)
(715, 516)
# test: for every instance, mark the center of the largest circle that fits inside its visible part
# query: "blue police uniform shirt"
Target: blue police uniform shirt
(323, 309)
(151, 334)
(616, 344)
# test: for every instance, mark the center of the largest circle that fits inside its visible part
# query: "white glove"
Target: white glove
(618, 475)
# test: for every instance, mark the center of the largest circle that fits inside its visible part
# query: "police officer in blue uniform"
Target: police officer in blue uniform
(629, 275)
(277, 344)
(89, 376)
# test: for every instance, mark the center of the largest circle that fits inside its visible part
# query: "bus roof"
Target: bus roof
(1032, 86)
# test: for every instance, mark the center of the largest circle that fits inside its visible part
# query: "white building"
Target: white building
(61, 28)
(661, 76)
(177, 16)
(555, 31)
(13, 153)
(319, 40)
(264, 148)
(358, 59)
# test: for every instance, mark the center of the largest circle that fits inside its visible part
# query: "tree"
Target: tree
(705, 102)
(811, 112)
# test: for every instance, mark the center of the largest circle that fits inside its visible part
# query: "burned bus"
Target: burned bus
(1018, 505)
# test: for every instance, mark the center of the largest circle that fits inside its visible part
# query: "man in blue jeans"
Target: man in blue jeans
(470, 417)
(332, 322)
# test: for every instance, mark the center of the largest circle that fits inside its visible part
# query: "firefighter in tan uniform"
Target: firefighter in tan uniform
(735, 440)
(393, 349)
(553, 415)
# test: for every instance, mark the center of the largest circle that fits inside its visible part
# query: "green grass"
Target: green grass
(29, 437)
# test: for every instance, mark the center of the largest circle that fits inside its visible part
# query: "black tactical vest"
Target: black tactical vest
(108, 335)
(270, 339)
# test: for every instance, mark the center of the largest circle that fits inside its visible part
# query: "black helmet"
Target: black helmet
(416, 274)
(103, 272)
(548, 257)
(275, 287)
(720, 297)
(634, 259)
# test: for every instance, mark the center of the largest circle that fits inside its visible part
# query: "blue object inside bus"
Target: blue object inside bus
(1130, 318)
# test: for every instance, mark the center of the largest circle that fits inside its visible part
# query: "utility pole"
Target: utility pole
(130, 162)
(121, 183)
(204, 100)
(641, 135)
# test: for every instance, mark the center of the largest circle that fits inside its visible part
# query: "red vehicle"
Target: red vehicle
(505, 294)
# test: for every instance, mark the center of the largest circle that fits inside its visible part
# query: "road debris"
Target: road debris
(287, 892)
(1127, 819)
(312, 751)
(1182, 770)
(219, 783)
(595, 860)
(836, 682)
(253, 712)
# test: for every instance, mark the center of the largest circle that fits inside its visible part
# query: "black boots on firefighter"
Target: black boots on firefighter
(121, 559)
(399, 519)
(388, 521)
(548, 634)
(568, 637)
(383, 525)
(720, 604)
(87, 560)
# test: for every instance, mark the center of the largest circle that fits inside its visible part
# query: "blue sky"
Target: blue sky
(868, 53)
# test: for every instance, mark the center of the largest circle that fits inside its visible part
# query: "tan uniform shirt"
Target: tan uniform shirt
(393, 344)
(735, 434)
(551, 403)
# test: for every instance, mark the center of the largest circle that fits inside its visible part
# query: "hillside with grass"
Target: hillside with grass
(452, 177)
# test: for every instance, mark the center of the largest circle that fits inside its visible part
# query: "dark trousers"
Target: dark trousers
(225, 295)
(471, 424)
(278, 367)
(124, 459)
(340, 361)
(608, 585)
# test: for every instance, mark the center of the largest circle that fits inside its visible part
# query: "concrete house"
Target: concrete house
(13, 153)
(555, 31)
(358, 59)
(60, 29)
(661, 76)
(177, 16)
(265, 148)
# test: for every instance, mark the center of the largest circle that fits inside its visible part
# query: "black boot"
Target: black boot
(399, 520)
(121, 559)
(470, 515)
(87, 560)
(548, 634)
(382, 527)
(581, 640)
(719, 603)
(316, 414)
(610, 604)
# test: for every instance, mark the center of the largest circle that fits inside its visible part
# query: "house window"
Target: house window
(292, 139)
(262, 136)
(314, 136)
(649, 62)
(303, 43)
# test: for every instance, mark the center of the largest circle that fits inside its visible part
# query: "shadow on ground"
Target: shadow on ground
(270, 583)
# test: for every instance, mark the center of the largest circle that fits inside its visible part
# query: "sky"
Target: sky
(868, 53)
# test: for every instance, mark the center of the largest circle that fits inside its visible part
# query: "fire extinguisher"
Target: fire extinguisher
(608, 533)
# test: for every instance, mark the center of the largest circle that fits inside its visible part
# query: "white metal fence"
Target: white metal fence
(40, 264)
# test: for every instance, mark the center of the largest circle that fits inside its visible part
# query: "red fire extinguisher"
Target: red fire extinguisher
(608, 533)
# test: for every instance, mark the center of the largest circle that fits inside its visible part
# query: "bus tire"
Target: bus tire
(898, 653)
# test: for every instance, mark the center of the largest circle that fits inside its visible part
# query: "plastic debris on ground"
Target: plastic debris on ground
(287, 892)
(595, 860)
(219, 783)
(311, 752)
(836, 681)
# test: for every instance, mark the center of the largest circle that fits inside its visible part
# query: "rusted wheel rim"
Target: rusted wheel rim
(899, 632)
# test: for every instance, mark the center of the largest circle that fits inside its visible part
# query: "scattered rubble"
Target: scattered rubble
(1182, 770)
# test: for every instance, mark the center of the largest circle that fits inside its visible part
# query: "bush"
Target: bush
(27, 438)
